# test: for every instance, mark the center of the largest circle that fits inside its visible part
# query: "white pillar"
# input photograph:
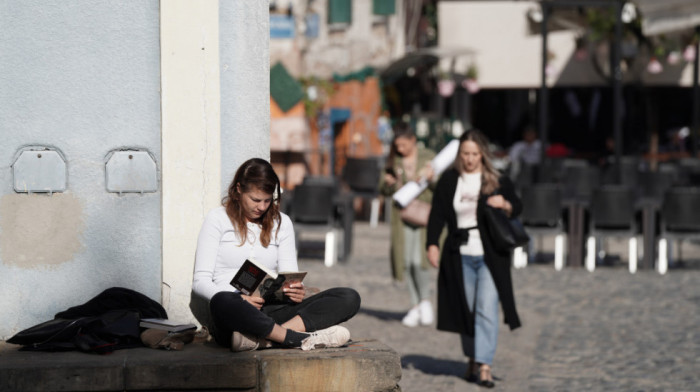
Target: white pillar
(191, 168)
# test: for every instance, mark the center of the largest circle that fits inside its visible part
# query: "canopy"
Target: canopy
(422, 58)
(665, 16)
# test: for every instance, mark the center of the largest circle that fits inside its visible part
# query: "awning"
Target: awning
(424, 58)
(666, 16)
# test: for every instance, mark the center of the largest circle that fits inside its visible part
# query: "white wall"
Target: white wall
(84, 78)
(186, 80)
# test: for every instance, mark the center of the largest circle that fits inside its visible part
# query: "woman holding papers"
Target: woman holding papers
(409, 162)
(249, 224)
(473, 274)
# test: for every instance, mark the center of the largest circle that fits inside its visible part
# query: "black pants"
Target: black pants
(231, 312)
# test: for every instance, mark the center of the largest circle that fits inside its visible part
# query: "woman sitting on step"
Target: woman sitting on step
(248, 225)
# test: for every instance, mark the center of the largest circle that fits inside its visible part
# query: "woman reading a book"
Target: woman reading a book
(473, 274)
(250, 226)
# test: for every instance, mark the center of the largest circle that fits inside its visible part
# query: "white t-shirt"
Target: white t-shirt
(220, 253)
(465, 203)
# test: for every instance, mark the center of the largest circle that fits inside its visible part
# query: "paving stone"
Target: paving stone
(582, 331)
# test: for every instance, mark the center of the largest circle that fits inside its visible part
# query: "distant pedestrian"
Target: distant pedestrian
(473, 274)
(526, 152)
(408, 161)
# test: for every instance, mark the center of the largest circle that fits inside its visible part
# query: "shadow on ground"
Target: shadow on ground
(434, 366)
(382, 314)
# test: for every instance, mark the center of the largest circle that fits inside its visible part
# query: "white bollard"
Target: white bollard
(662, 264)
(558, 252)
(633, 255)
(590, 254)
(329, 253)
(374, 213)
(519, 258)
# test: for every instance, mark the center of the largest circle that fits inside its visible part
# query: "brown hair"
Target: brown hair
(400, 129)
(489, 174)
(254, 173)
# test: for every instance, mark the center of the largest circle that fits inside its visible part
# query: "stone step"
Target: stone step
(364, 365)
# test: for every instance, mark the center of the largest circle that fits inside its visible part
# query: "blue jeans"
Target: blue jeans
(482, 298)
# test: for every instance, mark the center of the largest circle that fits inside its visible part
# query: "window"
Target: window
(339, 11)
(383, 7)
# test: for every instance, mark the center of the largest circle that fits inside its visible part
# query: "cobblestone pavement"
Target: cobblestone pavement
(603, 331)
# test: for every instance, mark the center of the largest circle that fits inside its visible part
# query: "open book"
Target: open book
(255, 279)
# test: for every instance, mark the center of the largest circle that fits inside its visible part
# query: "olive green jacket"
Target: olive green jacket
(398, 263)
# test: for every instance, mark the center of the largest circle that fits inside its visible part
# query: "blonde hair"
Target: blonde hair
(489, 174)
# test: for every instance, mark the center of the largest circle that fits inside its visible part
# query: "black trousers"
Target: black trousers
(230, 312)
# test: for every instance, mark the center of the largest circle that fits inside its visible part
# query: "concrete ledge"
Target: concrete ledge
(366, 365)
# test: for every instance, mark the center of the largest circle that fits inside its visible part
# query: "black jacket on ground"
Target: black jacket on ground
(453, 313)
(107, 322)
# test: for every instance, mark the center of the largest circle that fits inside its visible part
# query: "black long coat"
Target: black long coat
(453, 313)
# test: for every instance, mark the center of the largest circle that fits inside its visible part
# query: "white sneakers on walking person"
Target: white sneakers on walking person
(420, 314)
(412, 318)
(426, 312)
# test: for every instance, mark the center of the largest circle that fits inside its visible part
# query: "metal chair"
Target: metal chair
(689, 171)
(344, 211)
(542, 215)
(312, 209)
(612, 213)
(362, 177)
(629, 168)
(653, 185)
(679, 219)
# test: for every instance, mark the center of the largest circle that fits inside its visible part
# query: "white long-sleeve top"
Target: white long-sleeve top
(220, 253)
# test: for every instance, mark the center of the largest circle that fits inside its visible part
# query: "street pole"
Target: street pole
(696, 99)
(544, 93)
(616, 73)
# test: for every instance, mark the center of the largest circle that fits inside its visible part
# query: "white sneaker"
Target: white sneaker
(335, 336)
(412, 318)
(426, 312)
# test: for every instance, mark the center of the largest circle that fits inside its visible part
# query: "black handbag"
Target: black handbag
(506, 233)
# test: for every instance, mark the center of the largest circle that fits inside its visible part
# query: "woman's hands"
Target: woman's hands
(498, 201)
(295, 292)
(389, 179)
(255, 301)
(434, 255)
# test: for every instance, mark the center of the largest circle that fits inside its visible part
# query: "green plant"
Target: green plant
(472, 72)
(324, 89)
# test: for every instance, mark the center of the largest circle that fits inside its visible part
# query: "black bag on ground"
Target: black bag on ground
(506, 233)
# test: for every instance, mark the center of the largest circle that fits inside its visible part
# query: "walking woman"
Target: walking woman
(249, 224)
(473, 274)
(408, 162)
